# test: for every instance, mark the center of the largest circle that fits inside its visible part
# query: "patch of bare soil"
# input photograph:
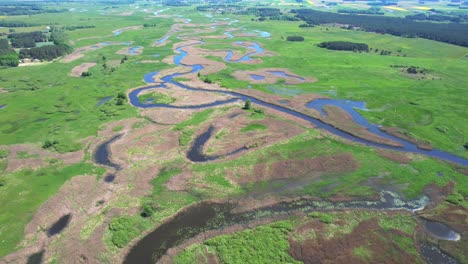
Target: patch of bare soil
(195, 56)
(185, 97)
(296, 103)
(340, 119)
(310, 167)
(402, 158)
(121, 30)
(180, 182)
(167, 116)
(179, 69)
(78, 70)
(271, 78)
(30, 156)
(340, 249)
(398, 132)
(79, 53)
(438, 194)
(86, 197)
(77, 198)
(233, 139)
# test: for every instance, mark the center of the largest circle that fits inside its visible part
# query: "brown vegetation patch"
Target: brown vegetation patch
(83, 67)
(367, 234)
(79, 52)
(121, 30)
(179, 69)
(271, 78)
(195, 56)
(398, 132)
(228, 136)
(179, 182)
(399, 157)
(340, 119)
(310, 167)
(167, 116)
(456, 217)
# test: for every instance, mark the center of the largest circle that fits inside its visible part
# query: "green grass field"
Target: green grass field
(44, 102)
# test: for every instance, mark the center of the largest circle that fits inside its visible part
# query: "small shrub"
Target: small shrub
(49, 143)
(3, 153)
(247, 105)
(86, 74)
(122, 95)
(323, 217)
(147, 210)
(295, 38)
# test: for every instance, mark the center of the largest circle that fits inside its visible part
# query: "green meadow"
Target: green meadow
(44, 103)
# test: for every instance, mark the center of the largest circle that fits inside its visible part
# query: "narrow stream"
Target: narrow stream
(407, 146)
(206, 216)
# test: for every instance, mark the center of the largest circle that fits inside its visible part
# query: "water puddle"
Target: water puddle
(59, 226)
(433, 255)
(102, 153)
(257, 77)
(135, 50)
(441, 231)
(103, 100)
(109, 178)
(285, 75)
(36, 258)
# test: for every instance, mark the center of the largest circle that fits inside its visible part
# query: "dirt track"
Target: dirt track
(78, 70)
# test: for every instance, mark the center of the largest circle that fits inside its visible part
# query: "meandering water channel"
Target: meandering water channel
(316, 104)
(207, 216)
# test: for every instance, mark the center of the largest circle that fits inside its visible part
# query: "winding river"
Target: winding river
(207, 215)
(316, 104)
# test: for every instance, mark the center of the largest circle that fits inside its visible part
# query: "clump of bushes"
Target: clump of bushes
(323, 217)
(49, 143)
(126, 228)
(121, 98)
(86, 74)
(344, 45)
(295, 38)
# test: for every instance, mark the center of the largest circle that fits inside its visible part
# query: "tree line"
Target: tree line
(24, 8)
(439, 18)
(4, 23)
(8, 56)
(26, 39)
(453, 33)
(295, 38)
(46, 52)
(344, 45)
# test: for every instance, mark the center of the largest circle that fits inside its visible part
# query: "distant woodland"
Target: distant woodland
(453, 33)
(344, 45)
(8, 56)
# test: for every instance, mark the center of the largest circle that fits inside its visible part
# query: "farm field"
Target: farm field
(195, 133)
